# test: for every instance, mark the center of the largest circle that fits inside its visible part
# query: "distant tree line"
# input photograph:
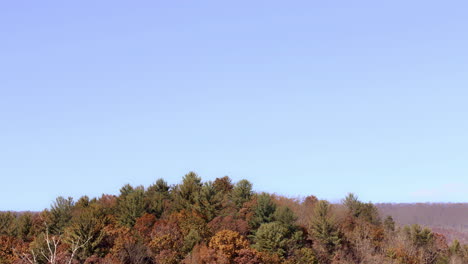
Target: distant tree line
(215, 222)
(450, 219)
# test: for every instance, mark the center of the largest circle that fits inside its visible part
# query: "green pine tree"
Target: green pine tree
(323, 228)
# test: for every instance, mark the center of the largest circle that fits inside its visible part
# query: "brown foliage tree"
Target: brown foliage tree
(228, 243)
(10, 249)
(167, 242)
(229, 222)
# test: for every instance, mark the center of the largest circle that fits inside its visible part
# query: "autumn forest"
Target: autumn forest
(220, 221)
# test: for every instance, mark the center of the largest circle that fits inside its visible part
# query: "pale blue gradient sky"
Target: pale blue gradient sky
(299, 97)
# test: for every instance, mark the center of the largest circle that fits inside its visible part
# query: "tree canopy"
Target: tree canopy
(218, 221)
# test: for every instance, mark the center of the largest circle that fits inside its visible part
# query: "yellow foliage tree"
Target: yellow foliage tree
(228, 243)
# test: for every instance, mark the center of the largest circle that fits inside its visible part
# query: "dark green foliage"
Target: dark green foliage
(83, 202)
(131, 206)
(87, 226)
(24, 225)
(323, 227)
(126, 190)
(271, 237)
(365, 211)
(160, 186)
(185, 194)
(156, 197)
(370, 213)
(208, 201)
(263, 211)
(277, 232)
(7, 224)
(285, 216)
(60, 214)
(353, 204)
(241, 193)
(190, 240)
(420, 237)
(296, 239)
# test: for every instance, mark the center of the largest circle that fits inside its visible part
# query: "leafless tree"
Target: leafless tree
(52, 253)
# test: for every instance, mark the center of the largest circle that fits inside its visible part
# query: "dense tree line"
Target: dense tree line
(198, 222)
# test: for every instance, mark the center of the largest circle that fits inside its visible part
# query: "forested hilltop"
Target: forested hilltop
(217, 222)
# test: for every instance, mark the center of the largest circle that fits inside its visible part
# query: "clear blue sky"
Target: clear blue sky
(299, 97)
